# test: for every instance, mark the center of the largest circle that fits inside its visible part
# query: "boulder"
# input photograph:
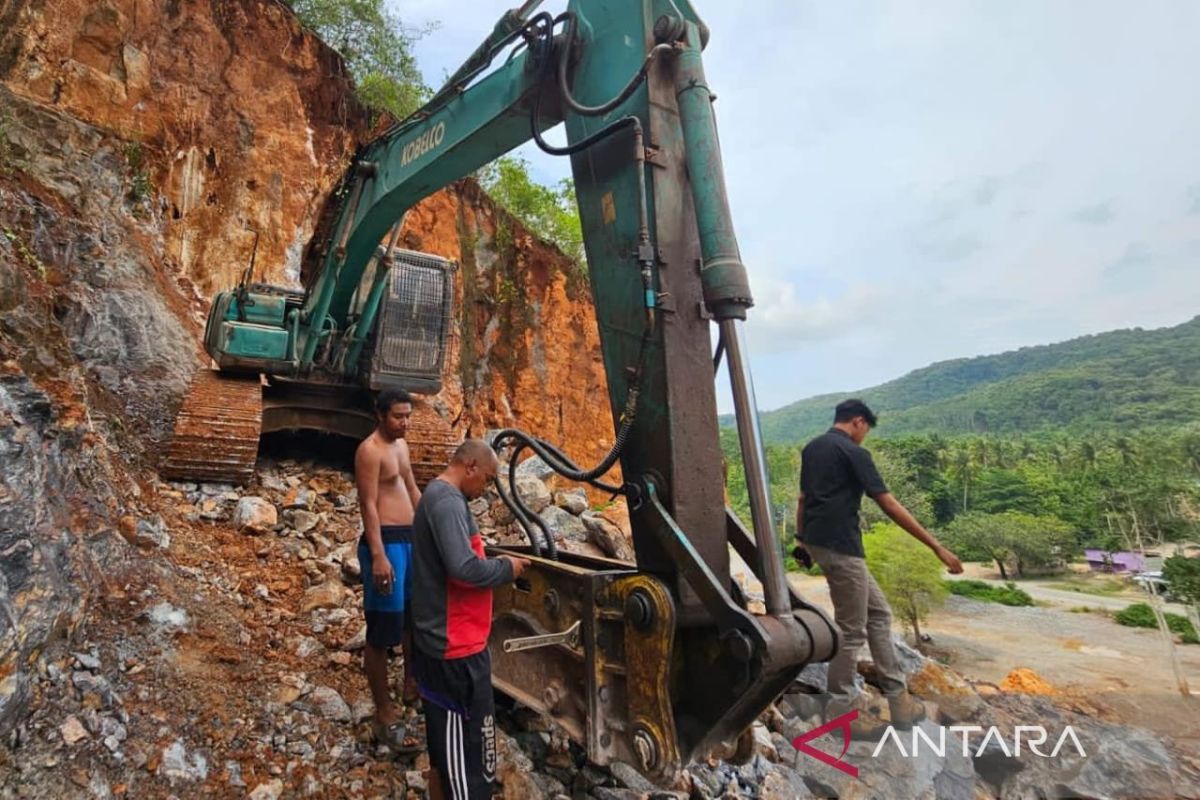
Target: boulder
(563, 524)
(255, 515)
(533, 493)
(148, 534)
(328, 703)
(607, 536)
(302, 521)
(574, 501)
(534, 467)
(325, 595)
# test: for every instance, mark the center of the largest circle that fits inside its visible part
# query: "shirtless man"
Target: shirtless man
(387, 495)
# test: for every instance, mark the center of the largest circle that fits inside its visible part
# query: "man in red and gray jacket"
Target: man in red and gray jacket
(450, 600)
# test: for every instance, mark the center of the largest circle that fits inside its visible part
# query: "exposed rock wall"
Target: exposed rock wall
(142, 147)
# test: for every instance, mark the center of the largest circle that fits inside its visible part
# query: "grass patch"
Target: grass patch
(1140, 615)
(1102, 587)
(1006, 595)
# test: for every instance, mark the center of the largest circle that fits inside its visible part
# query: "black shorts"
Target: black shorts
(460, 722)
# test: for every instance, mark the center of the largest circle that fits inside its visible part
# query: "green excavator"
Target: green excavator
(654, 663)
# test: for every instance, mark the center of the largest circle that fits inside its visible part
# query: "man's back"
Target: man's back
(834, 474)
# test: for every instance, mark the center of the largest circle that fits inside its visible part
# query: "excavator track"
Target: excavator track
(431, 442)
(217, 430)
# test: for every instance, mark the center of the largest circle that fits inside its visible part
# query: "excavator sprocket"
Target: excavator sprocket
(217, 430)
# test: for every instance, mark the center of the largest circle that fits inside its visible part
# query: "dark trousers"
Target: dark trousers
(460, 722)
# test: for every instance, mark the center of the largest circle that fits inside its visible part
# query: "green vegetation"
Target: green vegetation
(1110, 383)
(8, 156)
(1141, 615)
(907, 572)
(27, 256)
(1007, 595)
(140, 185)
(1182, 575)
(1102, 587)
(377, 47)
(1016, 541)
(549, 212)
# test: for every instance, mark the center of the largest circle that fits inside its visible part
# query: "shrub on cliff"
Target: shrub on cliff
(377, 47)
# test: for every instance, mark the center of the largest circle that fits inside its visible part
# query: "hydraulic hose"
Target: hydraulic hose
(550, 454)
(564, 59)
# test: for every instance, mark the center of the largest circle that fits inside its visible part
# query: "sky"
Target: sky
(918, 180)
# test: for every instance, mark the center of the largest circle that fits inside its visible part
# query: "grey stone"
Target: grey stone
(616, 793)
(308, 647)
(630, 778)
(88, 684)
(254, 514)
(708, 782)
(607, 536)
(178, 765)
(801, 705)
(152, 533)
(533, 493)
(415, 780)
(168, 617)
(534, 467)
(783, 746)
(1121, 762)
(574, 501)
(234, 770)
(302, 521)
(910, 660)
(328, 703)
(268, 790)
(87, 661)
(563, 524)
(782, 783)
(893, 774)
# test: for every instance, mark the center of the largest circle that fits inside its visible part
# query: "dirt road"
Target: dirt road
(1125, 669)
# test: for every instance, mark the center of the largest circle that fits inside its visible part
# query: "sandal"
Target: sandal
(396, 737)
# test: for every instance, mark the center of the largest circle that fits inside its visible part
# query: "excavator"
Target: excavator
(654, 663)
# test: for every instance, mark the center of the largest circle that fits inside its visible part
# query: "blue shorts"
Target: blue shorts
(385, 612)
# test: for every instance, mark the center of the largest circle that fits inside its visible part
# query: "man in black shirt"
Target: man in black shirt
(835, 472)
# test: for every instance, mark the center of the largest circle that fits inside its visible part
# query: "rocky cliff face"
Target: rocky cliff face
(144, 148)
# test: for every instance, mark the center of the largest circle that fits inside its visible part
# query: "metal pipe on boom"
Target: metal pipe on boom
(726, 287)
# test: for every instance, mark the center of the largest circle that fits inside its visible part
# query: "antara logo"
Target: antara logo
(1032, 736)
(801, 743)
(423, 143)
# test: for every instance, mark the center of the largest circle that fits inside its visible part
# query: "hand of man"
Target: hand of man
(382, 574)
(518, 565)
(951, 561)
(802, 556)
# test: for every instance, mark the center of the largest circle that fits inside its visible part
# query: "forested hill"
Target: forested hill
(1118, 380)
